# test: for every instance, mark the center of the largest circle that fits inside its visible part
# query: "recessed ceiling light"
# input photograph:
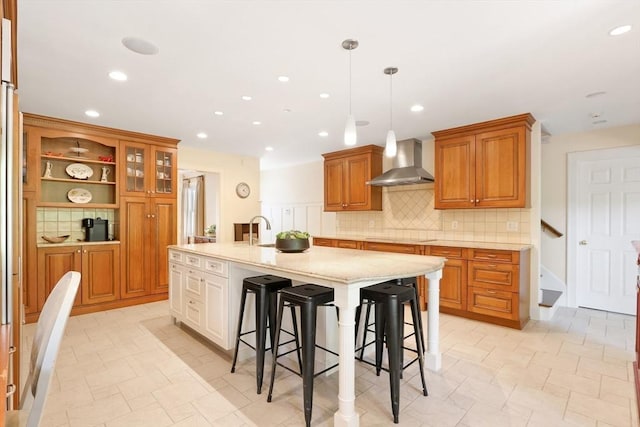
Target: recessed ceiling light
(141, 46)
(595, 115)
(283, 79)
(599, 122)
(257, 122)
(324, 95)
(594, 94)
(620, 30)
(416, 108)
(118, 75)
(218, 113)
(323, 133)
(287, 110)
(201, 135)
(269, 148)
(362, 122)
(92, 113)
(246, 98)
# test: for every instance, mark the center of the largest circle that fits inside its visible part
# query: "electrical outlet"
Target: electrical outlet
(512, 226)
(454, 225)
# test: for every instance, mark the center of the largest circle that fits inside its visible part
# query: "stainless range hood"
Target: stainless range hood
(407, 166)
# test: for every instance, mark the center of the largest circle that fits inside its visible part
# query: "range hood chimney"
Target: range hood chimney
(407, 166)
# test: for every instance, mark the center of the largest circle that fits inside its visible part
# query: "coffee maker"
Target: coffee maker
(96, 230)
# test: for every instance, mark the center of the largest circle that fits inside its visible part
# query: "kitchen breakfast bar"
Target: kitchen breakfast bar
(214, 272)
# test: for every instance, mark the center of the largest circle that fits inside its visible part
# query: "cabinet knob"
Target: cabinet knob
(153, 216)
(471, 201)
(85, 251)
(148, 216)
(78, 250)
(477, 200)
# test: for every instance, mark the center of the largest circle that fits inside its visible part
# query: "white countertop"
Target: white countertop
(332, 264)
(426, 242)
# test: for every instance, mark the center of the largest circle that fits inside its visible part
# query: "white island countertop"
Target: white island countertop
(346, 266)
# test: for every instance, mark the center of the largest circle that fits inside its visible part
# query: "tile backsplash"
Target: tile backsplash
(408, 213)
(61, 221)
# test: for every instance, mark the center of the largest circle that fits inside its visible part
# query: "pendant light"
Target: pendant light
(391, 147)
(350, 135)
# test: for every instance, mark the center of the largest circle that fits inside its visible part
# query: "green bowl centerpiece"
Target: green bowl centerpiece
(292, 241)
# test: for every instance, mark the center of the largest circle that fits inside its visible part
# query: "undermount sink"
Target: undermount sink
(267, 245)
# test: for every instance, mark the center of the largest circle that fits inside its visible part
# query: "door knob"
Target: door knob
(583, 242)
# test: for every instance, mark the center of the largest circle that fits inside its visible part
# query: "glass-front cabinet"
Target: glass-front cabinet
(149, 170)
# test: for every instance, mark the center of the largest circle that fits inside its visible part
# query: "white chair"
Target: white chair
(46, 344)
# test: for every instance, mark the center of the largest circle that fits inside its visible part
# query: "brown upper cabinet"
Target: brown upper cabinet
(484, 165)
(346, 173)
(149, 170)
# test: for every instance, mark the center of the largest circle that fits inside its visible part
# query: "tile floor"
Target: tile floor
(133, 367)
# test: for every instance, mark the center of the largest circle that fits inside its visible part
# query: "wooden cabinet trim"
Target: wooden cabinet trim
(525, 119)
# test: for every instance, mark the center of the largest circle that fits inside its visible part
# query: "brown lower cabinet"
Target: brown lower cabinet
(148, 225)
(98, 264)
(483, 284)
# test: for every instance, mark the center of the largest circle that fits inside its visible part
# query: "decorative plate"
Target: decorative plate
(79, 195)
(79, 171)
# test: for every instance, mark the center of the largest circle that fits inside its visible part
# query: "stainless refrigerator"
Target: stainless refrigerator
(9, 184)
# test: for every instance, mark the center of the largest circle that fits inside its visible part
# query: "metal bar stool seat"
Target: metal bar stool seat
(308, 298)
(265, 288)
(406, 281)
(389, 300)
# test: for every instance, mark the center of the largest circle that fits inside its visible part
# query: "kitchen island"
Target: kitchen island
(346, 271)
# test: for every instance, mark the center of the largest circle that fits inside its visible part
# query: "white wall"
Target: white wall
(554, 183)
(232, 169)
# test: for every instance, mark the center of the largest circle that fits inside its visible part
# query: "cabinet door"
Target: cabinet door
(357, 192)
(135, 171)
(334, 176)
(501, 168)
(176, 280)
(163, 234)
(453, 285)
(217, 309)
(100, 273)
(164, 172)
(135, 232)
(53, 263)
(455, 172)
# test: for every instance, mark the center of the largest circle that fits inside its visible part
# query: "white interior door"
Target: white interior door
(607, 218)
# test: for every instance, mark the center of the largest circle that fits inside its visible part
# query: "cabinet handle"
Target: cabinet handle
(491, 255)
(491, 265)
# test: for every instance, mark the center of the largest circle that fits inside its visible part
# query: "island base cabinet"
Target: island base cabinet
(217, 310)
(176, 301)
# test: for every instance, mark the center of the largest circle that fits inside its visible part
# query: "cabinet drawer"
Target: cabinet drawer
(446, 251)
(319, 241)
(494, 275)
(216, 266)
(194, 313)
(494, 255)
(193, 260)
(175, 256)
(348, 244)
(493, 303)
(194, 285)
(392, 247)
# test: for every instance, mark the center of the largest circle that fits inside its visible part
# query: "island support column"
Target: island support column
(433, 357)
(347, 299)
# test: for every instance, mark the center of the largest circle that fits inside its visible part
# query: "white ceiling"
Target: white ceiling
(464, 61)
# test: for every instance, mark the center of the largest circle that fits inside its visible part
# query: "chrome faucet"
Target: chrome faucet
(251, 226)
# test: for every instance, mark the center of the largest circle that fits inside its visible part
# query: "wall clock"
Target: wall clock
(243, 190)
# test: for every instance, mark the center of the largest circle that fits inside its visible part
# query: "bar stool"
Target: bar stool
(406, 281)
(389, 300)
(266, 290)
(308, 298)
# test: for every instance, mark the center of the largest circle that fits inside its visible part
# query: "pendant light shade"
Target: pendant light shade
(350, 134)
(391, 146)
